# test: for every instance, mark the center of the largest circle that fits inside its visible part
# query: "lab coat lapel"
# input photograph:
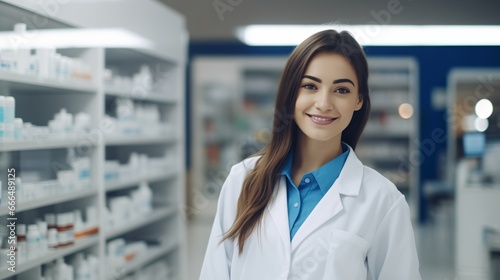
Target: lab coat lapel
(279, 212)
(348, 183)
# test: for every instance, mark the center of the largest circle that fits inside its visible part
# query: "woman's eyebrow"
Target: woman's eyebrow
(338, 81)
(312, 78)
(343, 81)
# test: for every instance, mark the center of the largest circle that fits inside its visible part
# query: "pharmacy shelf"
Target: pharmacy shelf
(156, 215)
(152, 97)
(387, 158)
(29, 83)
(151, 255)
(492, 237)
(388, 108)
(92, 97)
(51, 256)
(219, 138)
(267, 113)
(139, 140)
(118, 55)
(385, 83)
(130, 182)
(384, 134)
(60, 198)
(44, 144)
(479, 187)
(393, 81)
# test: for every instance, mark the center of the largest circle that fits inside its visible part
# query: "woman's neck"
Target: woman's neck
(310, 155)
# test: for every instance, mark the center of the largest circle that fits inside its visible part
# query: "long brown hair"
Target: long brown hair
(260, 183)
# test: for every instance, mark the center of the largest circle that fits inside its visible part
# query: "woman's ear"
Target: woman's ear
(359, 104)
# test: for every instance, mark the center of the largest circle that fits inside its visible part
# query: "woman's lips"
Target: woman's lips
(321, 120)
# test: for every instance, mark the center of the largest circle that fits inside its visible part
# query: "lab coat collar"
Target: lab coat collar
(351, 175)
(348, 183)
(279, 212)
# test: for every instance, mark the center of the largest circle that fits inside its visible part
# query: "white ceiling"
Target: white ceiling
(206, 23)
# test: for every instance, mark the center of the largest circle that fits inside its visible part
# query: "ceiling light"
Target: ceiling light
(376, 35)
(73, 38)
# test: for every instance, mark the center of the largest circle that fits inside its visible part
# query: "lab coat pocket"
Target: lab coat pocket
(346, 259)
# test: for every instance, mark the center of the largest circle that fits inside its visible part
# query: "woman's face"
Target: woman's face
(327, 98)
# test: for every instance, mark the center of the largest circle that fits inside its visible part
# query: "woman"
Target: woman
(306, 207)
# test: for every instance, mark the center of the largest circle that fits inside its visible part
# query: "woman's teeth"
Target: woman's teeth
(321, 119)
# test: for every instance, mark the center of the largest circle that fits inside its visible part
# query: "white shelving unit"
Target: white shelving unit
(388, 143)
(476, 209)
(474, 178)
(227, 116)
(43, 144)
(37, 100)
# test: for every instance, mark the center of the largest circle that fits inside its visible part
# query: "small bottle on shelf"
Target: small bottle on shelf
(50, 218)
(70, 232)
(42, 227)
(18, 129)
(9, 113)
(33, 242)
(62, 234)
(21, 242)
(52, 240)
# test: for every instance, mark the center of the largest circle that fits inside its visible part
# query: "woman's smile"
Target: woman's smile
(321, 120)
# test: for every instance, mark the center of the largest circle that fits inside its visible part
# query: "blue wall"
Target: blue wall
(434, 65)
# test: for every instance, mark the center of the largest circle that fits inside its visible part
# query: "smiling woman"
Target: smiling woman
(305, 207)
(326, 101)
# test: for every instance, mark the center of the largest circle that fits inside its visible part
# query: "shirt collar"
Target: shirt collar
(287, 168)
(326, 174)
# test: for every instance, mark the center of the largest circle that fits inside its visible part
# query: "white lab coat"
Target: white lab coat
(359, 230)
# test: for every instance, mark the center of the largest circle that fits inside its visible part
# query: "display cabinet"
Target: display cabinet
(389, 143)
(101, 147)
(473, 151)
(233, 104)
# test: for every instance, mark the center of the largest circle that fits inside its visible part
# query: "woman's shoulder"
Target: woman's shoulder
(380, 184)
(238, 172)
(245, 166)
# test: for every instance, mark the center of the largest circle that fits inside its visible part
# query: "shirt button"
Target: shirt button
(296, 204)
(307, 180)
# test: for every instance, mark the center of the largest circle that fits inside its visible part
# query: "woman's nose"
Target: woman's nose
(323, 102)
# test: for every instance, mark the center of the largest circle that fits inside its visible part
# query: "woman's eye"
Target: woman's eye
(342, 90)
(309, 86)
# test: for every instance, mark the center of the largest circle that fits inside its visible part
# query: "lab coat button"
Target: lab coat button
(284, 272)
(296, 204)
(307, 180)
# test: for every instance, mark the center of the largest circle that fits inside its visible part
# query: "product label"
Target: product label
(9, 115)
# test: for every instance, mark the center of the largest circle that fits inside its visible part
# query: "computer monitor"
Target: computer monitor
(474, 144)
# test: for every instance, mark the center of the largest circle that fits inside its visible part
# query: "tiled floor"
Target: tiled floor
(435, 244)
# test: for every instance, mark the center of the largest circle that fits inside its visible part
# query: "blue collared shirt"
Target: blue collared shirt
(312, 187)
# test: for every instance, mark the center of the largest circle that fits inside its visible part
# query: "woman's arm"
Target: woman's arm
(218, 256)
(393, 254)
